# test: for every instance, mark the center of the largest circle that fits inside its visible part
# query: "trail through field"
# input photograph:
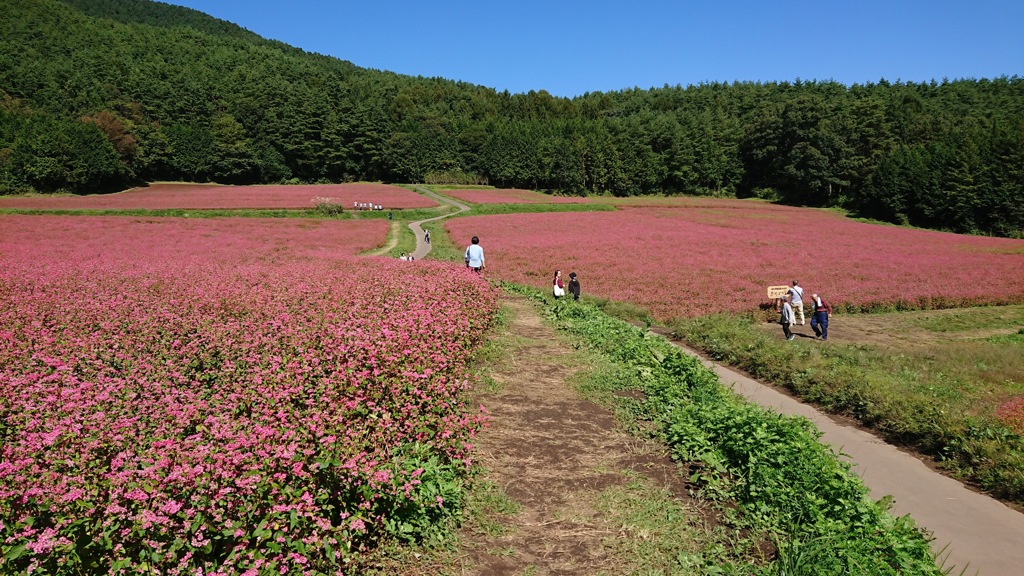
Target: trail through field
(422, 247)
(553, 453)
(971, 530)
(392, 241)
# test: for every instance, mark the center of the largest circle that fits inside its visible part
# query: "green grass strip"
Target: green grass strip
(916, 402)
(487, 209)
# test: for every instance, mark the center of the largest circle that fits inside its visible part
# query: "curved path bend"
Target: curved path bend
(422, 248)
(973, 533)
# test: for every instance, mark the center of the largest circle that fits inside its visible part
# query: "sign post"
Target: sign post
(776, 292)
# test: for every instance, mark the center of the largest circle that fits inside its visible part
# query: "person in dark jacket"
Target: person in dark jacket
(574, 286)
(819, 320)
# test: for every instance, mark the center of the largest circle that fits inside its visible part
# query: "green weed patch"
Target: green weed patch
(936, 403)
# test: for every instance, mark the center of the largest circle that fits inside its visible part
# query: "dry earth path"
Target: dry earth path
(972, 530)
(393, 235)
(553, 453)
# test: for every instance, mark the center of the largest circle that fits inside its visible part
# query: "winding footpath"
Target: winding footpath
(423, 248)
(973, 533)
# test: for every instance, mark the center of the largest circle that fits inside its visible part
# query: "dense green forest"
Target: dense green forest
(96, 95)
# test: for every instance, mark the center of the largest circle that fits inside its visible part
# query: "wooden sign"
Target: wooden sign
(777, 291)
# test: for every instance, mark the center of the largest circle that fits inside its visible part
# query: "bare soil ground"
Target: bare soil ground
(392, 241)
(553, 453)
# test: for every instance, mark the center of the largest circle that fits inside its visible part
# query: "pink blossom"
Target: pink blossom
(686, 257)
(198, 377)
(171, 507)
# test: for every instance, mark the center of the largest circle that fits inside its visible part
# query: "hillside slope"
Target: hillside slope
(177, 94)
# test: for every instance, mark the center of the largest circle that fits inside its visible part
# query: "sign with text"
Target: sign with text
(777, 291)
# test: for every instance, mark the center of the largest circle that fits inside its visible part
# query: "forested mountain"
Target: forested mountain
(98, 94)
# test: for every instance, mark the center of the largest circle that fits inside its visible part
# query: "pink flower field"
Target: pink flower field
(97, 240)
(681, 262)
(220, 397)
(211, 197)
(512, 196)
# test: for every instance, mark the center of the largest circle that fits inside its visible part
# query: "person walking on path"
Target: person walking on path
(787, 318)
(574, 287)
(475, 256)
(556, 285)
(796, 294)
(426, 236)
(819, 319)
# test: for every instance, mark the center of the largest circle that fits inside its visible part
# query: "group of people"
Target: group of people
(793, 306)
(368, 206)
(559, 289)
(476, 262)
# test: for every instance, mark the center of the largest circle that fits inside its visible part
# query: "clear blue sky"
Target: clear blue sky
(569, 47)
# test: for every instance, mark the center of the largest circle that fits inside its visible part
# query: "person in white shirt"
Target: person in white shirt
(796, 295)
(475, 256)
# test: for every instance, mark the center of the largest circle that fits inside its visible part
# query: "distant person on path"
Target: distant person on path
(475, 256)
(796, 294)
(787, 318)
(556, 285)
(819, 320)
(389, 215)
(426, 236)
(574, 287)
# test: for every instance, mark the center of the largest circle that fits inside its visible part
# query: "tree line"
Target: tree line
(96, 95)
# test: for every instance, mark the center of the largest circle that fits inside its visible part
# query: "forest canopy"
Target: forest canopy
(97, 95)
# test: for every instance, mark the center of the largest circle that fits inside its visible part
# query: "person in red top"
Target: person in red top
(819, 321)
(556, 285)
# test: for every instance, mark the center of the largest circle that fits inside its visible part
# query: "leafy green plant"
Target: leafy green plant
(327, 206)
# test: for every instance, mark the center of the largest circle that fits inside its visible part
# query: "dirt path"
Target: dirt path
(552, 453)
(392, 242)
